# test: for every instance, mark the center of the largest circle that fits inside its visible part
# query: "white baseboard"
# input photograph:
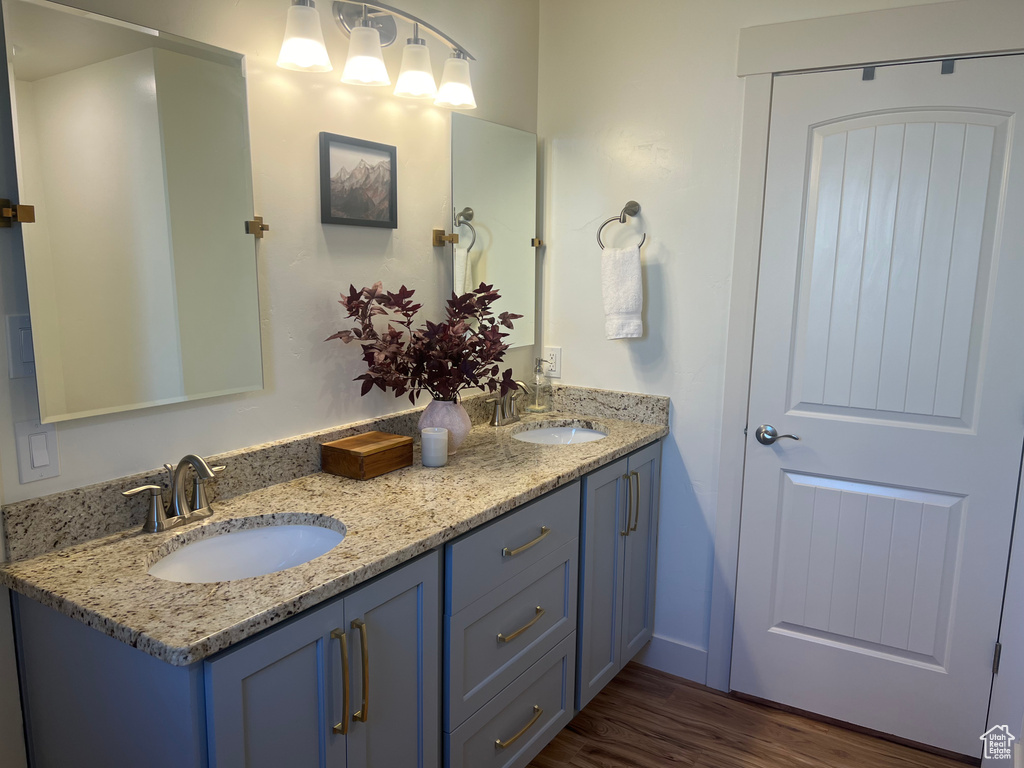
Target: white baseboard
(676, 658)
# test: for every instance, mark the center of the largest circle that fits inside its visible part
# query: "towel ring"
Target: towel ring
(632, 208)
(463, 217)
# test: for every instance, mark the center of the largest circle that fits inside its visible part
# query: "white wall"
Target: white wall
(651, 111)
(303, 265)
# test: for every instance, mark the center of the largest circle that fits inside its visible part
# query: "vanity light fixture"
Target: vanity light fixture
(456, 91)
(365, 64)
(416, 80)
(303, 49)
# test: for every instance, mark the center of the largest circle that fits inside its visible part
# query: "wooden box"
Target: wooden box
(367, 455)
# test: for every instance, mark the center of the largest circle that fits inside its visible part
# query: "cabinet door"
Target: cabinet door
(266, 704)
(602, 538)
(640, 552)
(394, 625)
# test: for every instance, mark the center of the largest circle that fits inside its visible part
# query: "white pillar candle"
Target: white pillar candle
(435, 447)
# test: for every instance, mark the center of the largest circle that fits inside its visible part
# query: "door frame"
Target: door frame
(954, 30)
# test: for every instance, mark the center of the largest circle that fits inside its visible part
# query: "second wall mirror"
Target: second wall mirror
(494, 194)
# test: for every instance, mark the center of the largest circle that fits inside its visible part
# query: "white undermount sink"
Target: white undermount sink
(243, 554)
(559, 435)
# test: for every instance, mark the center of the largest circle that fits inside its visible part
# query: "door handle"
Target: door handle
(342, 727)
(766, 434)
(362, 714)
(629, 503)
(636, 503)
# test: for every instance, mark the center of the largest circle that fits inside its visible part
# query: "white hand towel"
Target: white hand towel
(623, 292)
(463, 271)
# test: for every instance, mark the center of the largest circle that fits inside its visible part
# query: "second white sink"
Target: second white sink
(243, 554)
(559, 435)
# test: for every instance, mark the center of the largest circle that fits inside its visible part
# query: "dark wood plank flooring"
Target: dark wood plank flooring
(648, 719)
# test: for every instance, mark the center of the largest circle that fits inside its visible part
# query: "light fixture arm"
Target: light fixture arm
(349, 15)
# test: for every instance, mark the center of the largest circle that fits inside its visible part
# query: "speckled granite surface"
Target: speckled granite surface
(390, 519)
(36, 526)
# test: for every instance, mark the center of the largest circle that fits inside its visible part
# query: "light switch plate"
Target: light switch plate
(20, 355)
(553, 356)
(37, 451)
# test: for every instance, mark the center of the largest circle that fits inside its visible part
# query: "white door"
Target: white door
(889, 338)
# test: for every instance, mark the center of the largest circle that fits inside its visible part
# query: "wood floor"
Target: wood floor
(647, 719)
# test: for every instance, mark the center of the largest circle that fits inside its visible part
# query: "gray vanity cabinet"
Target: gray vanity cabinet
(617, 567)
(279, 699)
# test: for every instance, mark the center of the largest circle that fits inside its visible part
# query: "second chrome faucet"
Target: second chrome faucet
(179, 509)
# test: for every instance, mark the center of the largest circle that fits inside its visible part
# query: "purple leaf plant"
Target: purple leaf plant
(441, 359)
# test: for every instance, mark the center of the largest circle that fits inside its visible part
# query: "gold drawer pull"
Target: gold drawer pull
(509, 638)
(636, 504)
(342, 727)
(544, 531)
(629, 503)
(537, 712)
(362, 714)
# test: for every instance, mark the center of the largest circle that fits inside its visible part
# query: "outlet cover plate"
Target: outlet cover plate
(553, 356)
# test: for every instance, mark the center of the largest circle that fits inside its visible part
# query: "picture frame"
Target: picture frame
(358, 182)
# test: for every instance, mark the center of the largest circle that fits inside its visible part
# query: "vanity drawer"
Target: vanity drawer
(480, 561)
(543, 692)
(480, 663)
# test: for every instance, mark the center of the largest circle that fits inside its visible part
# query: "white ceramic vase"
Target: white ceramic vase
(450, 415)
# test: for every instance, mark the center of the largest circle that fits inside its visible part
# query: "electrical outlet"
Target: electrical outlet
(553, 357)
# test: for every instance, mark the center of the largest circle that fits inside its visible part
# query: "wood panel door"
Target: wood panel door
(873, 550)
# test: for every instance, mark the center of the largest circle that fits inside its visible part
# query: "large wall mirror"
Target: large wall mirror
(133, 146)
(494, 194)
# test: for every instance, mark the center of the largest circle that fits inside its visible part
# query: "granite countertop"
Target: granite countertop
(390, 519)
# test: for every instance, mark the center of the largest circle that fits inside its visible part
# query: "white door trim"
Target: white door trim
(963, 27)
(914, 33)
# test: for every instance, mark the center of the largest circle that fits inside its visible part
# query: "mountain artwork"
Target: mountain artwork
(363, 192)
(357, 182)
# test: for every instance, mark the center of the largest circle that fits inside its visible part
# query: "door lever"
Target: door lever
(766, 434)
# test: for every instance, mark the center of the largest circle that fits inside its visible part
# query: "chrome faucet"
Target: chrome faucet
(160, 517)
(200, 507)
(506, 409)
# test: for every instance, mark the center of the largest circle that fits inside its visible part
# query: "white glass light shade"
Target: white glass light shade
(365, 64)
(456, 92)
(416, 80)
(303, 48)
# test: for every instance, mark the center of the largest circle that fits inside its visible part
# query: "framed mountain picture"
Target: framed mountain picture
(358, 182)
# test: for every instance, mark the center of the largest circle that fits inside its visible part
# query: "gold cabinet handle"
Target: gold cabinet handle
(508, 638)
(342, 727)
(544, 531)
(362, 713)
(636, 505)
(629, 503)
(537, 712)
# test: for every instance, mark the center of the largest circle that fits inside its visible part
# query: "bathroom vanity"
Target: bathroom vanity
(469, 611)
